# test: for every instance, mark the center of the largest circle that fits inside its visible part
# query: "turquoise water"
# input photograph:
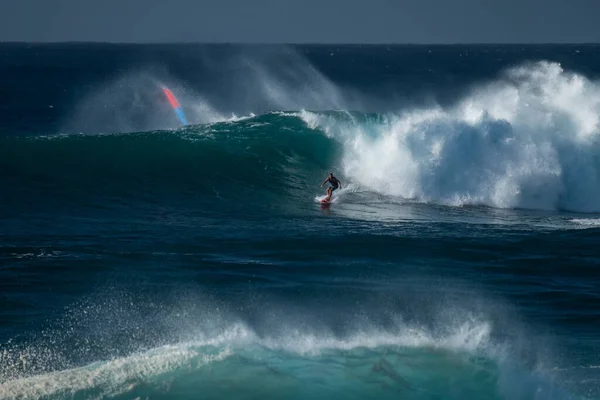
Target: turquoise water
(144, 260)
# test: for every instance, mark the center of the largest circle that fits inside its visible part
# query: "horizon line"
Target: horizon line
(98, 42)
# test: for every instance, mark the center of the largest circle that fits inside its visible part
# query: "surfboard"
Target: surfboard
(325, 202)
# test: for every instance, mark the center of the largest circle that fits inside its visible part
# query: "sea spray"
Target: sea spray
(526, 141)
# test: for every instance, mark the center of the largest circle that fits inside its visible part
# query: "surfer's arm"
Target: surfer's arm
(325, 181)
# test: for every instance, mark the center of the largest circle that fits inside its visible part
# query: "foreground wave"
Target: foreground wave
(412, 362)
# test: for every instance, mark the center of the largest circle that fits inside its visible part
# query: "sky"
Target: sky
(301, 21)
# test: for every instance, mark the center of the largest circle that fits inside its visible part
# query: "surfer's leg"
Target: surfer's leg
(330, 191)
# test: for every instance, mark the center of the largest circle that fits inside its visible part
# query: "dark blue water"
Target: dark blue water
(144, 259)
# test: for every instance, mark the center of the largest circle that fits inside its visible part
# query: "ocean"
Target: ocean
(143, 259)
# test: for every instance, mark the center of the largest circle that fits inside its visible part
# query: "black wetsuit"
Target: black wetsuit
(334, 184)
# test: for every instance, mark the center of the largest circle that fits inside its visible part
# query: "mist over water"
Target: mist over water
(250, 82)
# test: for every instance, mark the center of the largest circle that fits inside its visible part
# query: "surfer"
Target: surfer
(334, 182)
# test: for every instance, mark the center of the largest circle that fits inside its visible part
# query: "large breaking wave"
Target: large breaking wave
(527, 140)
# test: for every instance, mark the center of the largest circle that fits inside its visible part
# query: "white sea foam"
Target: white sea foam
(528, 140)
(587, 222)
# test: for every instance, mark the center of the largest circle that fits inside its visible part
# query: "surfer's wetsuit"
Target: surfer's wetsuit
(334, 182)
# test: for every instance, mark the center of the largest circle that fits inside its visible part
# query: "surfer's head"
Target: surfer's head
(331, 174)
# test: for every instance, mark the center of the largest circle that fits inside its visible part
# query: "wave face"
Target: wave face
(254, 160)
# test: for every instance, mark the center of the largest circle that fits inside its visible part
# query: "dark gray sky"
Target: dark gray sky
(293, 21)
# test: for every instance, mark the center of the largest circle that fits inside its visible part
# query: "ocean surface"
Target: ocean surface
(143, 259)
